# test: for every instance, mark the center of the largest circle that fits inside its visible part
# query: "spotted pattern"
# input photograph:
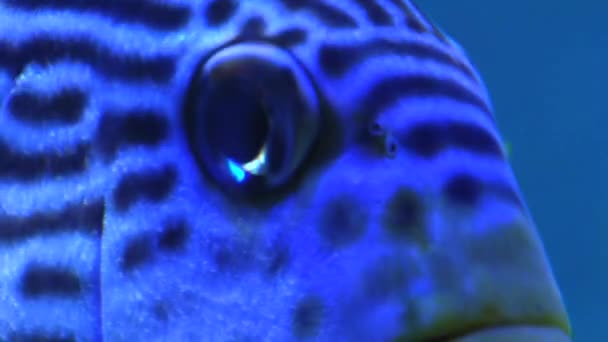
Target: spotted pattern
(153, 185)
(343, 222)
(26, 167)
(119, 130)
(174, 236)
(308, 316)
(106, 218)
(219, 12)
(44, 48)
(463, 189)
(41, 280)
(153, 15)
(404, 217)
(138, 251)
(84, 218)
(65, 107)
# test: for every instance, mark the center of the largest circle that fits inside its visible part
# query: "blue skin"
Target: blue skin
(320, 256)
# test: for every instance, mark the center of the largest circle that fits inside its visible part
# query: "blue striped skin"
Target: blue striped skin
(404, 222)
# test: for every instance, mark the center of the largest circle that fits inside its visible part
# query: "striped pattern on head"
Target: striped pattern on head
(112, 229)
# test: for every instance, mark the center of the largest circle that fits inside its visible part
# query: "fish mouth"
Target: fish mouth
(517, 332)
(520, 333)
(497, 286)
(537, 317)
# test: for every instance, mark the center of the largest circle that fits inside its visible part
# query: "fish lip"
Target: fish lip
(508, 333)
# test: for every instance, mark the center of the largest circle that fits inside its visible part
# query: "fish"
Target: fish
(277, 170)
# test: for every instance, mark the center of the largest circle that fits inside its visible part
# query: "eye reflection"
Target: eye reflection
(254, 167)
(237, 171)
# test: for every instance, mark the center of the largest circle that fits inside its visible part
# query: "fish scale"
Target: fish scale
(402, 220)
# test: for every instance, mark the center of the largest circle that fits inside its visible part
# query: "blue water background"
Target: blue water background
(546, 65)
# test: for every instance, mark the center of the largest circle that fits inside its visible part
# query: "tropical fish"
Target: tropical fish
(256, 170)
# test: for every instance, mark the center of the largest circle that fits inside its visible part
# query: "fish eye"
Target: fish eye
(252, 116)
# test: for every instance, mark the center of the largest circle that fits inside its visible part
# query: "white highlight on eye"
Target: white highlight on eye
(258, 165)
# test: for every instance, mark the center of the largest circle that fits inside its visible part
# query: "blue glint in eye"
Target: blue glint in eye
(237, 172)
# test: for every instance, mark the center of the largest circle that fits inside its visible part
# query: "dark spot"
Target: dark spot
(174, 236)
(39, 280)
(135, 127)
(327, 14)
(84, 218)
(343, 222)
(403, 217)
(64, 107)
(308, 316)
(473, 138)
(390, 146)
(151, 184)
(289, 37)
(220, 11)
(137, 251)
(376, 12)
(463, 189)
(390, 90)
(160, 311)
(253, 27)
(337, 59)
(27, 167)
(426, 139)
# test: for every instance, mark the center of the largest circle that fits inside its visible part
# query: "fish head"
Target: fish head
(254, 178)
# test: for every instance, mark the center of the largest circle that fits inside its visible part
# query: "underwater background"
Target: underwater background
(544, 62)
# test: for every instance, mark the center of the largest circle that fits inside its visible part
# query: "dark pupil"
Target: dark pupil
(237, 125)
